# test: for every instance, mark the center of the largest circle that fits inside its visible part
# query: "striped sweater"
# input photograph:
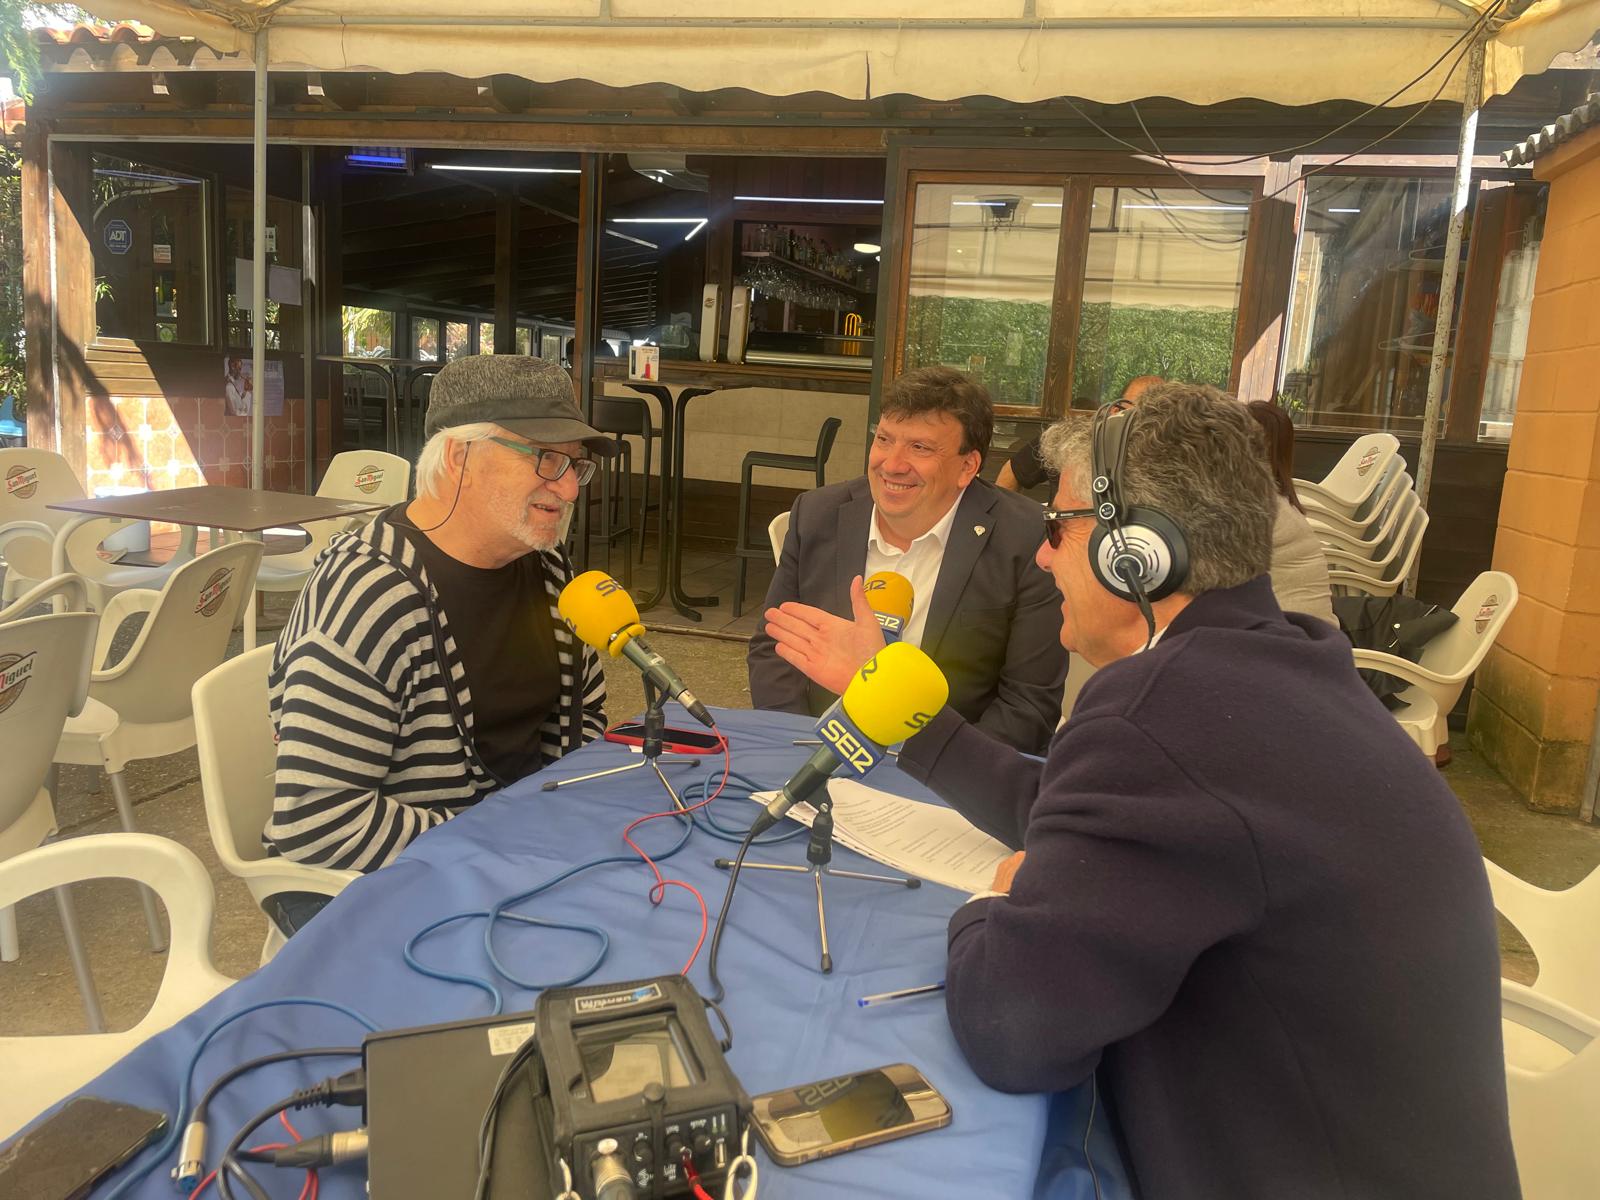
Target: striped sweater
(371, 751)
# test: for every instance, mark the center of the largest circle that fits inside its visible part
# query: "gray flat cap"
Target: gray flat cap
(527, 396)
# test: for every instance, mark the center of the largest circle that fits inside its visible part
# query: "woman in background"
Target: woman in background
(1299, 567)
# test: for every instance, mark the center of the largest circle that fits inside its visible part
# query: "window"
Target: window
(425, 338)
(983, 265)
(284, 317)
(1365, 301)
(485, 337)
(524, 340)
(1161, 288)
(1508, 339)
(368, 332)
(457, 335)
(150, 248)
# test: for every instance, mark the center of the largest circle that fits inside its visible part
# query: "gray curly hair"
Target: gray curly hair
(1193, 454)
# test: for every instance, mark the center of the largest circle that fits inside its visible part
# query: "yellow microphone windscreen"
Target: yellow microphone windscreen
(889, 593)
(599, 610)
(895, 693)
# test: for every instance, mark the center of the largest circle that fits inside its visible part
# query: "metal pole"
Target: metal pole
(258, 284)
(1470, 99)
(1591, 774)
(308, 316)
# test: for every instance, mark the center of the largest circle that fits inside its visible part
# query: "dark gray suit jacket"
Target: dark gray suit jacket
(994, 619)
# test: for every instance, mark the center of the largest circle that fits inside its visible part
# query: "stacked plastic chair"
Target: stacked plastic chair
(1369, 517)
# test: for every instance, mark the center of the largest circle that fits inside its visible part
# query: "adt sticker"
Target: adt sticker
(118, 236)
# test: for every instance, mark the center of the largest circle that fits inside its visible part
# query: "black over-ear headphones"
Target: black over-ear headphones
(1137, 553)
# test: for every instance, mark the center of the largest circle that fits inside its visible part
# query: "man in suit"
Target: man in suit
(982, 610)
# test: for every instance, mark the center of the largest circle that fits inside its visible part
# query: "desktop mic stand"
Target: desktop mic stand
(819, 853)
(655, 723)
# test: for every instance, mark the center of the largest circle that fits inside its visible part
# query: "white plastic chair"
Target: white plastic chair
(1355, 477)
(80, 546)
(238, 758)
(1560, 927)
(1384, 578)
(1374, 539)
(44, 678)
(141, 707)
(1449, 660)
(1553, 1106)
(353, 475)
(777, 532)
(30, 481)
(41, 1070)
(1319, 508)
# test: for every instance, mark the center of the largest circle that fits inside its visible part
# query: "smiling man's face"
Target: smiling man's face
(916, 470)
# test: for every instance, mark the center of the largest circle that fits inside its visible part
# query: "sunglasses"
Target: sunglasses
(1055, 522)
(552, 464)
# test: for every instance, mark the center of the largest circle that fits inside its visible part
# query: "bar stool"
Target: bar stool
(620, 416)
(816, 463)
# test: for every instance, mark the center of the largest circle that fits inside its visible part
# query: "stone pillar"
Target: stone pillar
(1533, 706)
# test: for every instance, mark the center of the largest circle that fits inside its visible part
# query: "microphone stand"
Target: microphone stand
(655, 723)
(819, 854)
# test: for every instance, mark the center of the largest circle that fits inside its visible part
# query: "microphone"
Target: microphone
(601, 613)
(890, 597)
(894, 694)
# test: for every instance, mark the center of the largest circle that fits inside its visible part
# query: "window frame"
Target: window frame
(1077, 175)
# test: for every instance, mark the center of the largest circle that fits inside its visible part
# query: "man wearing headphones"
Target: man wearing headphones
(1243, 895)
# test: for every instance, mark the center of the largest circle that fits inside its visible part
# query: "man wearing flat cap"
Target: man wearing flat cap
(425, 665)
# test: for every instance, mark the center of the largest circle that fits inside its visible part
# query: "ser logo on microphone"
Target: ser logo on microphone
(849, 744)
(607, 586)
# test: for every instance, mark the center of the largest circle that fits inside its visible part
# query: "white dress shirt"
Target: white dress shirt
(919, 563)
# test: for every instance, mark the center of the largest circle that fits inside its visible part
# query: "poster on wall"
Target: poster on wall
(238, 388)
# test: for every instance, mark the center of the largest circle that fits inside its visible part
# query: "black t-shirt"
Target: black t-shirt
(503, 629)
(1029, 467)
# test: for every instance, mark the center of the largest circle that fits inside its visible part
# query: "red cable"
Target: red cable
(308, 1190)
(659, 888)
(693, 1176)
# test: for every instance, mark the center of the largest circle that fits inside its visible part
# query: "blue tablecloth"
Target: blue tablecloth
(791, 1024)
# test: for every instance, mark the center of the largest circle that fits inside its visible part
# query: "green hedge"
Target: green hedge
(1116, 342)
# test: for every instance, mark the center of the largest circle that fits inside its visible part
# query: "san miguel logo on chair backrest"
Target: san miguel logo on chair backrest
(1367, 459)
(15, 671)
(215, 589)
(1485, 613)
(368, 479)
(22, 482)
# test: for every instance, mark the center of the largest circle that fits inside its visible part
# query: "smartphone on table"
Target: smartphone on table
(673, 741)
(831, 1116)
(63, 1158)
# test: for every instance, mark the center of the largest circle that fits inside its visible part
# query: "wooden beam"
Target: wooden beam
(37, 286)
(507, 230)
(505, 93)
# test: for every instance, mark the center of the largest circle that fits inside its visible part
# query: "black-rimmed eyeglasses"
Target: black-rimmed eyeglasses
(551, 464)
(1055, 520)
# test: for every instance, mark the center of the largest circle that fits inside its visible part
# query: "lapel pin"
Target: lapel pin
(978, 529)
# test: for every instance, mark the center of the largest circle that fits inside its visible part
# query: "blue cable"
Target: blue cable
(690, 822)
(175, 1129)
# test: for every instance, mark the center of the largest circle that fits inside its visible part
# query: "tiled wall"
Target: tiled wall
(158, 443)
(1533, 708)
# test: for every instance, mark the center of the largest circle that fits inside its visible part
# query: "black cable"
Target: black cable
(718, 992)
(456, 499)
(228, 1076)
(491, 1115)
(230, 1157)
(1471, 31)
(1171, 163)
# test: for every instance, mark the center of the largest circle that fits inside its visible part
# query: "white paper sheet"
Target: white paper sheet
(926, 840)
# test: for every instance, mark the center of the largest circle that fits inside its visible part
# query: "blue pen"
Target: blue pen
(927, 989)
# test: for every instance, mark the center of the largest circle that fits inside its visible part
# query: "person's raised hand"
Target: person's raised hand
(824, 648)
